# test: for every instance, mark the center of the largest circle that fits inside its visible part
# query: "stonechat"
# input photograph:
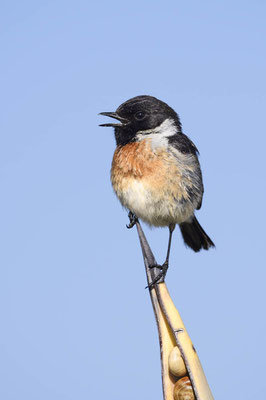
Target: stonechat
(155, 171)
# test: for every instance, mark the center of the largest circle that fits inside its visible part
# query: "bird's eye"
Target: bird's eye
(140, 115)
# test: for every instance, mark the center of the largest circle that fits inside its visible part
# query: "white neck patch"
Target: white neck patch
(159, 134)
(167, 128)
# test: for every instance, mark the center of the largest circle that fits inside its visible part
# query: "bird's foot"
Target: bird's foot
(132, 220)
(161, 275)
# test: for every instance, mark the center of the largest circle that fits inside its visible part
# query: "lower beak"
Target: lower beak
(115, 116)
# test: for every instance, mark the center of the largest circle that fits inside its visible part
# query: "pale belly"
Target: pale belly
(155, 207)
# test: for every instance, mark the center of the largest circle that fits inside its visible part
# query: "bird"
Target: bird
(155, 170)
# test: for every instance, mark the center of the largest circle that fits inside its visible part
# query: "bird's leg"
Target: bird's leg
(132, 220)
(171, 230)
(165, 265)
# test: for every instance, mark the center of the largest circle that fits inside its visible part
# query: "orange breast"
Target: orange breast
(156, 169)
(150, 182)
(135, 160)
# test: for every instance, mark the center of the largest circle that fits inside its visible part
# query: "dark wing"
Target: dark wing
(183, 144)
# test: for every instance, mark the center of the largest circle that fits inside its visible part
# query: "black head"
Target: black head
(140, 113)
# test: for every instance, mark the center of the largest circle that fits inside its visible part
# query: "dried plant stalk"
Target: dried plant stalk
(172, 333)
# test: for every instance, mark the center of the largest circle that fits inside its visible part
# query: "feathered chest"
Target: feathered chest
(155, 182)
(136, 160)
(156, 168)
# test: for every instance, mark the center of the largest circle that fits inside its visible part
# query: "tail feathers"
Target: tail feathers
(194, 235)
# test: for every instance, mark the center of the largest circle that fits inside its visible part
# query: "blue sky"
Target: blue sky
(76, 320)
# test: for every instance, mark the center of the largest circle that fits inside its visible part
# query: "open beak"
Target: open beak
(115, 116)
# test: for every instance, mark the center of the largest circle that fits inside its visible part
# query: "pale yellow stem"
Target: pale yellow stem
(172, 333)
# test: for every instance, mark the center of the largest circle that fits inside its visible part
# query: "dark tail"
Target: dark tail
(194, 236)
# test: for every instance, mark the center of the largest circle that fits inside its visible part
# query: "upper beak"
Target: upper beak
(115, 116)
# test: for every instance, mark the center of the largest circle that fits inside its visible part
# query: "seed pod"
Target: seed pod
(183, 389)
(176, 363)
